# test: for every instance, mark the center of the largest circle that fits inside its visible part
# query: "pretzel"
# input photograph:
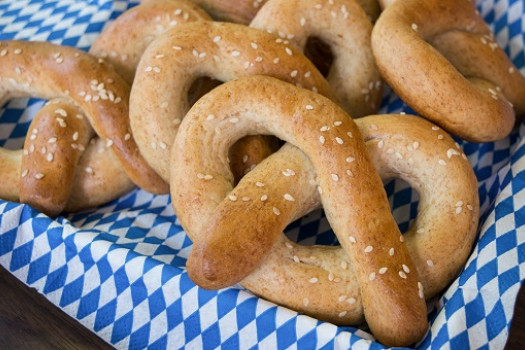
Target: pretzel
(201, 179)
(466, 83)
(69, 73)
(222, 51)
(344, 25)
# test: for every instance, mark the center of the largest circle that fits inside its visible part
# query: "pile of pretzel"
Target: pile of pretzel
(137, 110)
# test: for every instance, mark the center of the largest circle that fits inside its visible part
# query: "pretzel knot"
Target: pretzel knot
(386, 285)
(442, 60)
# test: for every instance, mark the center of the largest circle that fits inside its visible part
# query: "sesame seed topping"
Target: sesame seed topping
(127, 136)
(352, 239)
(383, 270)
(288, 51)
(322, 139)
(430, 263)
(414, 26)
(306, 301)
(459, 210)
(440, 137)
(511, 69)
(401, 238)
(236, 53)
(109, 143)
(339, 140)
(368, 249)
(302, 21)
(276, 211)
(232, 197)
(380, 144)
(331, 276)
(470, 207)
(338, 123)
(288, 172)
(293, 74)
(177, 48)
(324, 128)
(49, 157)
(234, 120)
(415, 145)
(276, 60)
(3, 52)
(253, 45)
(420, 290)
(344, 265)
(259, 184)
(402, 275)
(25, 172)
(350, 159)
(296, 259)
(342, 314)
(351, 300)
(38, 176)
(289, 197)
(264, 197)
(435, 128)
(17, 70)
(210, 117)
(288, 245)
(75, 136)
(216, 39)
(309, 107)
(32, 137)
(442, 162)
(335, 177)
(342, 298)
(420, 230)
(406, 269)
(313, 280)
(245, 198)
(372, 276)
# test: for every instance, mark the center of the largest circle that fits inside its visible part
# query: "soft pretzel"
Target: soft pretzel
(442, 60)
(222, 51)
(201, 179)
(130, 33)
(93, 86)
(342, 24)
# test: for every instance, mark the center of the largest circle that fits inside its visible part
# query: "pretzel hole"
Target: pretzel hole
(200, 87)
(314, 228)
(15, 117)
(320, 54)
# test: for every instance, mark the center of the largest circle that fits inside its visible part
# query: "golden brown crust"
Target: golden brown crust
(202, 180)
(222, 51)
(468, 87)
(345, 27)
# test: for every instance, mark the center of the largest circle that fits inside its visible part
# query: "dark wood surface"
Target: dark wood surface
(29, 321)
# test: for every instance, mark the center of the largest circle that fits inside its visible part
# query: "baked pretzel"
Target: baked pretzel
(131, 33)
(243, 11)
(440, 57)
(343, 24)
(95, 88)
(222, 51)
(201, 189)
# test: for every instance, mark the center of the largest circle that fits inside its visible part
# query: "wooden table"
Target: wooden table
(29, 321)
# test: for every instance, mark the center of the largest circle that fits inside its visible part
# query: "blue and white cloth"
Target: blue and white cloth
(120, 269)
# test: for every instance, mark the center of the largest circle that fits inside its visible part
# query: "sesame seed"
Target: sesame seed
(32, 137)
(511, 69)
(253, 45)
(368, 249)
(289, 197)
(306, 301)
(59, 60)
(234, 120)
(109, 143)
(259, 184)
(293, 74)
(420, 230)
(430, 263)
(258, 59)
(335, 177)
(435, 128)
(442, 162)
(440, 137)
(470, 207)
(38, 176)
(296, 259)
(17, 70)
(380, 144)
(331, 276)
(75, 136)
(406, 268)
(89, 170)
(264, 197)
(383, 270)
(350, 159)
(232, 197)
(372, 276)
(313, 280)
(3, 52)
(31, 148)
(288, 51)
(399, 155)
(401, 238)
(288, 172)
(342, 298)
(177, 48)
(309, 107)
(342, 314)
(414, 26)
(339, 140)
(349, 172)
(245, 198)
(352, 239)
(276, 60)
(351, 300)
(415, 145)
(127, 136)
(402, 275)
(344, 265)
(420, 289)
(25, 172)
(459, 210)
(236, 53)
(49, 157)
(459, 204)
(200, 176)
(276, 211)
(303, 21)
(150, 68)
(288, 245)
(324, 128)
